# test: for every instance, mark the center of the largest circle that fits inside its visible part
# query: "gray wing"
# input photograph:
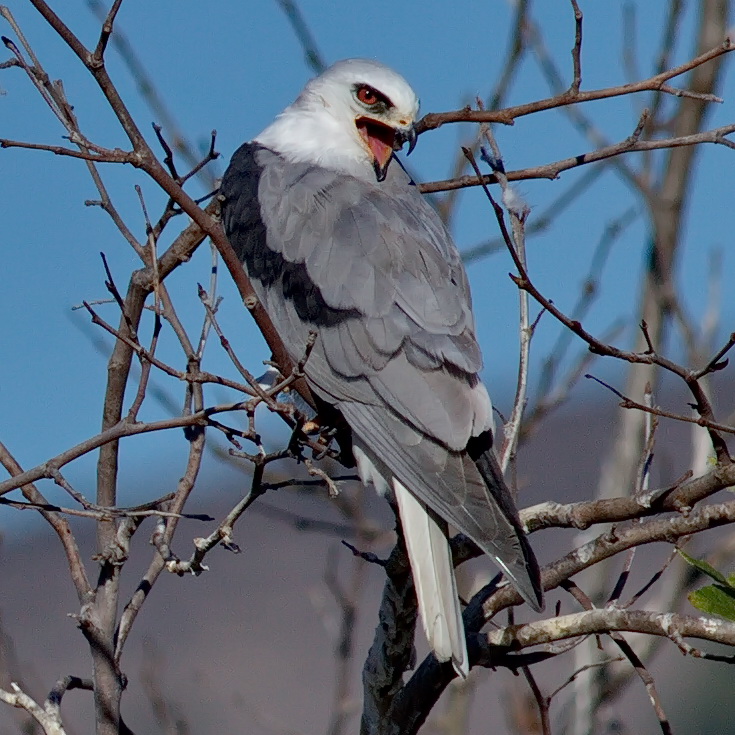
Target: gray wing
(373, 271)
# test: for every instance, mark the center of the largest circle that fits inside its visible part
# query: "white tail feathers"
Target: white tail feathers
(433, 576)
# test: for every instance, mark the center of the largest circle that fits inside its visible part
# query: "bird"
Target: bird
(339, 243)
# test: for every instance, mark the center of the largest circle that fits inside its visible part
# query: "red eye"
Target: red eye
(367, 95)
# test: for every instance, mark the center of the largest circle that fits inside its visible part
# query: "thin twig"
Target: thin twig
(507, 116)
(632, 144)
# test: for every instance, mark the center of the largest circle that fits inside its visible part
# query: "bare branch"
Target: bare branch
(596, 621)
(99, 52)
(47, 718)
(631, 144)
(115, 155)
(507, 116)
(60, 525)
(312, 55)
(577, 50)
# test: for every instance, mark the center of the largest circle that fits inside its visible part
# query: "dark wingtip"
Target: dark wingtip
(525, 574)
(527, 585)
(539, 603)
(535, 595)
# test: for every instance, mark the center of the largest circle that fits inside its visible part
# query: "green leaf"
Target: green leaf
(715, 600)
(707, 569)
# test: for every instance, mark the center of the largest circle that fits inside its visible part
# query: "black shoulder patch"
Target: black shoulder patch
(246, 232)
(478, 445)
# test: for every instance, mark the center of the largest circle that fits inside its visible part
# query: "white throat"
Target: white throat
(311, 134)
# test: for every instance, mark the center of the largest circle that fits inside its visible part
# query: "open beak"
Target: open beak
(382, 140)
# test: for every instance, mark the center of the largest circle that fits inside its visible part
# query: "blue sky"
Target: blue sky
(232, 66)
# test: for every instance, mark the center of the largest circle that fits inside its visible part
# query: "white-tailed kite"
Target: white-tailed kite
(338, 242)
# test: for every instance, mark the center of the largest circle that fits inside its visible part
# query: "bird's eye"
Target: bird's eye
(367, 95)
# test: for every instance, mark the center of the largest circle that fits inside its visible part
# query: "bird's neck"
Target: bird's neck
(308, 135)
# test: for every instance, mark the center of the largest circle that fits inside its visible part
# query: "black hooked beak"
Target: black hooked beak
(406, 136)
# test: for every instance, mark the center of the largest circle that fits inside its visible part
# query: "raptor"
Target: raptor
(337, 240)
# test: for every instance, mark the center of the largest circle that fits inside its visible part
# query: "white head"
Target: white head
(350, 118)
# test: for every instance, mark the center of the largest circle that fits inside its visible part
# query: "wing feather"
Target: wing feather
(376, 235)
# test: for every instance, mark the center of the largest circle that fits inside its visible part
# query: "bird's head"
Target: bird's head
(354, 114)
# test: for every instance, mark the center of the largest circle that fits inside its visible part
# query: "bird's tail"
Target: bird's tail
(433, 576)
